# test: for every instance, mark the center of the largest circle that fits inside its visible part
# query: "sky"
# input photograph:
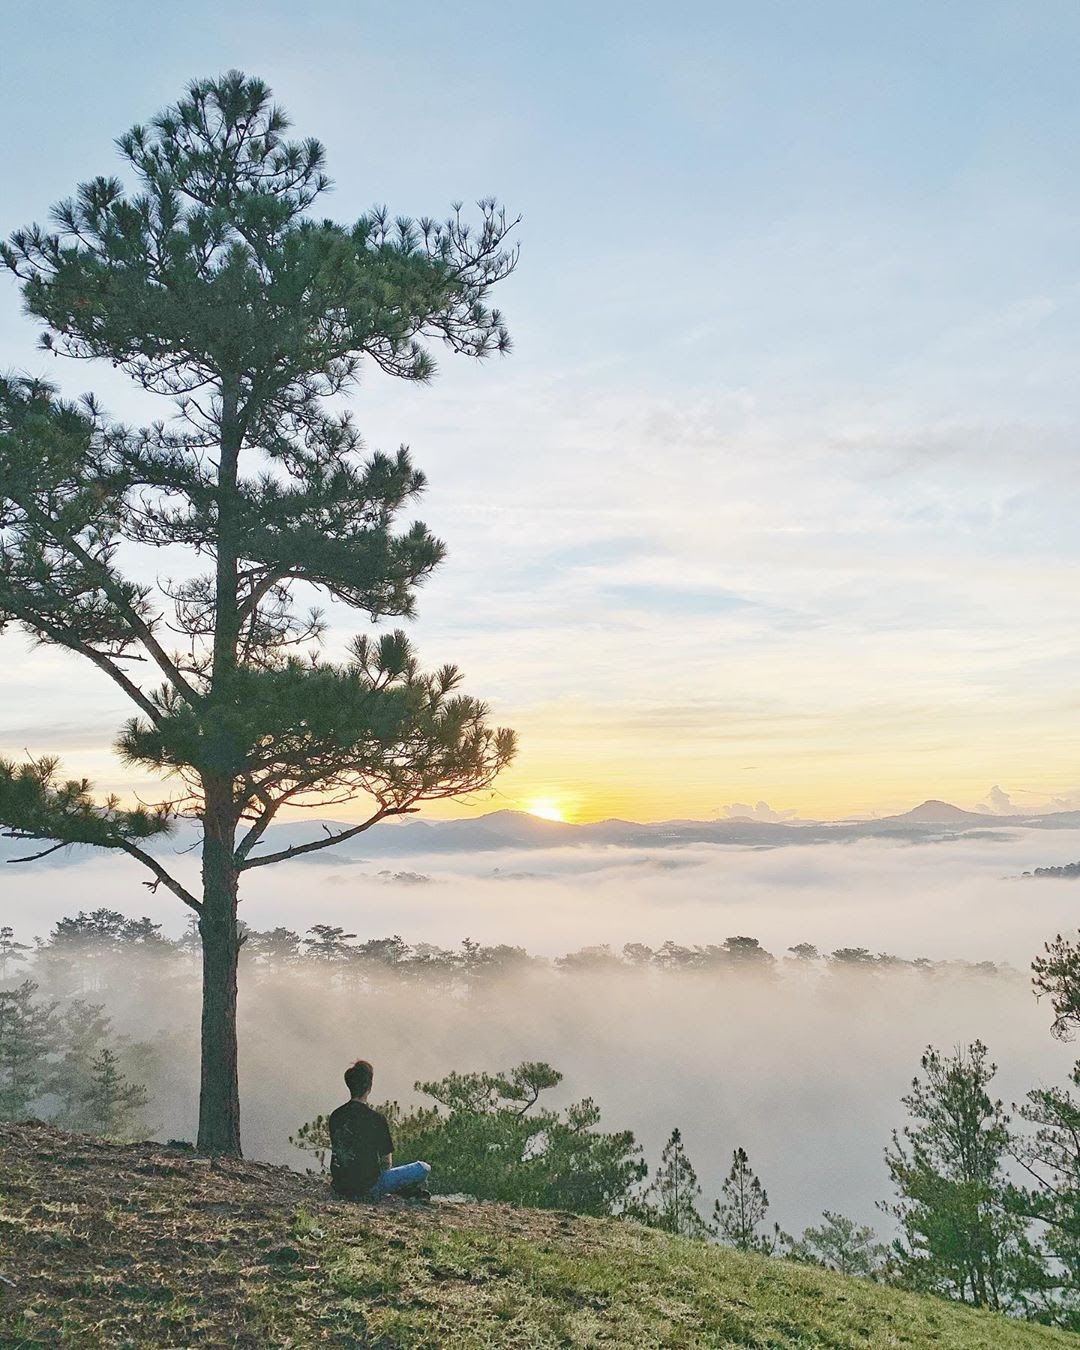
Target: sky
(775, 499)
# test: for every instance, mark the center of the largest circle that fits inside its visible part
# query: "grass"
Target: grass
(137, 1246)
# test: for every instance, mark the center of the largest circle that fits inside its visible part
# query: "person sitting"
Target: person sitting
(362, 1151)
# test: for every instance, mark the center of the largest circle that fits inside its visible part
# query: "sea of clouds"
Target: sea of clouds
(805, 1069)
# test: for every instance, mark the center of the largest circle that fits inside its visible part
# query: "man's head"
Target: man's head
(358, 1078)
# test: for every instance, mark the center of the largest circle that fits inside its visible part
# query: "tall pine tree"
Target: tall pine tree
(212, 284)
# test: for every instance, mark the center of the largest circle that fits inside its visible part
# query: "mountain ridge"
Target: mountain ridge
(507, 830)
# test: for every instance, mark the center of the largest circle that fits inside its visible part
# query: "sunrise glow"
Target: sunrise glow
(545, 808)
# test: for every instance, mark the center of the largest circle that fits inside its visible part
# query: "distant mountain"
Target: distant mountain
(517, 830)
(520, 831)
(933, 812)
(938, 813)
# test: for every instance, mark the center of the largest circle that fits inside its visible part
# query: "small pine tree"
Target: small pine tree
(959, 1237)
(671, 1201)
(113, 1103)
(489, 1138)
(314, 1137)
(741, 1210)
(82, 1031)
(839, 1244)
(87, 1089)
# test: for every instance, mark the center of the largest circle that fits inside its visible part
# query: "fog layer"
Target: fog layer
(804, 1068)
(963, 897)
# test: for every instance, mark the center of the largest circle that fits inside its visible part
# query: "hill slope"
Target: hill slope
(143, 1246)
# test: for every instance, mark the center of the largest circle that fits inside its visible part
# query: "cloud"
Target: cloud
(997, 802)
(958, 898)
(762, 811)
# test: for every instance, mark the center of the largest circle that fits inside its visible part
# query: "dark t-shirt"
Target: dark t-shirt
(359, 1140)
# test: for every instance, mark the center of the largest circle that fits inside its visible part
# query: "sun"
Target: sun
(545, 807)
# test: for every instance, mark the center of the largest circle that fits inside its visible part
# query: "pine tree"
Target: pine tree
(1050, 1152)
(215, 286)
(747, 953)
(1050, 1155)
(959, 1237)
(805, 953)
(113, 1104)
(11, 952)
(741, 1210)
(85, 1076)
(839, 1244)
(671, 1200)
(329, 943)
(83, 1030)
(28, 1039)
(277, 947)
(1056, 976)
(81, 953)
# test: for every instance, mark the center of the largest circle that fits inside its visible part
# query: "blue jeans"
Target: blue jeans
(396, 1178)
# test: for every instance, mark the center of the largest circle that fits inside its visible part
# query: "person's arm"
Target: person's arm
(387, 1146)
(336, 1139)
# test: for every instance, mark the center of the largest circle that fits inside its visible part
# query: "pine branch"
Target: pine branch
(116, 594)
(262, 822)
(67, 639)
(164, 878)
(34, 857)
(36, 805)
(316, 844)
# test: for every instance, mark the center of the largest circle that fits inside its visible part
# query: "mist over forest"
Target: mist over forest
(962, 896)
(803, 1062)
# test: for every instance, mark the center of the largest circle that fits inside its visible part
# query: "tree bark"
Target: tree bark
(219, 1095)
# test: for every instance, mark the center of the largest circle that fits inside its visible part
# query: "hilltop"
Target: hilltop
(144, 1245)
(935, 812)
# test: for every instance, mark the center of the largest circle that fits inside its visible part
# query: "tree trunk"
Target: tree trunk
(219, 1096)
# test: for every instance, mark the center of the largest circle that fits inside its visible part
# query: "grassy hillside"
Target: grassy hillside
(141, 1246)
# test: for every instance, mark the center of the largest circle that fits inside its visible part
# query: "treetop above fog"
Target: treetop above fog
(214, 268)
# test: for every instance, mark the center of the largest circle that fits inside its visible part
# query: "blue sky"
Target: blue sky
(775, 499)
